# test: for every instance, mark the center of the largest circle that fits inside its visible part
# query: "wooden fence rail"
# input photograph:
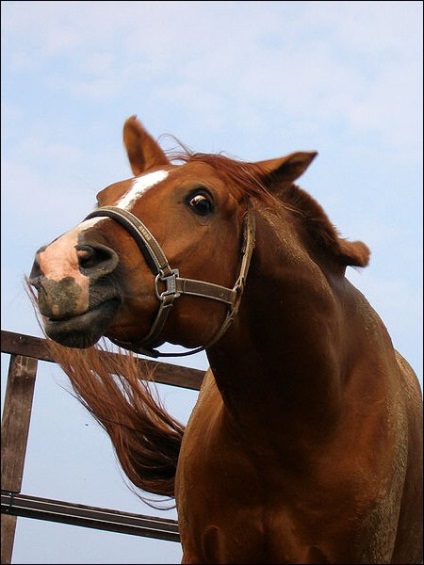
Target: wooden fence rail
(25, 351)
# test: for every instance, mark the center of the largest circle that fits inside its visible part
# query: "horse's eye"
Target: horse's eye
(200, 203)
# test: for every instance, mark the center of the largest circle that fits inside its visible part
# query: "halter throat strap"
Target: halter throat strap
(169, 285)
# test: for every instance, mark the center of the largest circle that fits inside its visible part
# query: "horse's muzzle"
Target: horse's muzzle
(77, 302)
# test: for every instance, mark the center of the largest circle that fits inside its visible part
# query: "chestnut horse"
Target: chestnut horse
(305, 444)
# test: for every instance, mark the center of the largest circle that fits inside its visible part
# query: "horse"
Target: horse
(305, 443)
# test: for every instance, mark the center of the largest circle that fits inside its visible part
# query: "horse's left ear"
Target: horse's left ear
(282, 172)
(143, 151)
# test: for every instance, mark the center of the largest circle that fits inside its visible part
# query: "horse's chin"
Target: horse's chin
(84, 330)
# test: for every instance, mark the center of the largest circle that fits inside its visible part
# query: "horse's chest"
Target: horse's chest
(217, 486)
(214, 461)
(237, 508)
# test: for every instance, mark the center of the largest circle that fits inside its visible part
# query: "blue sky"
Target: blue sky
(254, 79)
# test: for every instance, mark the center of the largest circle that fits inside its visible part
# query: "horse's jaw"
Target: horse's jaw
(85, 329)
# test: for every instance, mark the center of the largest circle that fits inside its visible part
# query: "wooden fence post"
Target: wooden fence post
(14, 431)
(25, 351)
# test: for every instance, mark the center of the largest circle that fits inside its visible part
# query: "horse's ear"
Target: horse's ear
(143, 151)
(282, 172)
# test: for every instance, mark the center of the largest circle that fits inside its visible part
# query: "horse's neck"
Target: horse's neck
(281, 359)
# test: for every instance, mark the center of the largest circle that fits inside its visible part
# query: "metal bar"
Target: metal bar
(88, 516)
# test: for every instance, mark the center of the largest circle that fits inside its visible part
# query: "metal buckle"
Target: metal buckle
(168, 296)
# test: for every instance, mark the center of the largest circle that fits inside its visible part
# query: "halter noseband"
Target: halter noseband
(173, 285)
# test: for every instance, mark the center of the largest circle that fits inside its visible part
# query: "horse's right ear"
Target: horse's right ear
(282, 172)
(143, 151)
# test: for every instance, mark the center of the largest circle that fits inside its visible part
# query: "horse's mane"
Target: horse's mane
(117, 390)
(246, 180)
(244, 177)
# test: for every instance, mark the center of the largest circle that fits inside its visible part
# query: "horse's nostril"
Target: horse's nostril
(96, 260)
(87, 256)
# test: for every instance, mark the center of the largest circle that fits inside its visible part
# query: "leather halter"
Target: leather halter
(169, 285)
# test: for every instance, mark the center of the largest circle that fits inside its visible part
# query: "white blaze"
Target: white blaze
(141, 185)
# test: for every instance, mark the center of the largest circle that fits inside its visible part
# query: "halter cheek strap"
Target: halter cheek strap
(168, 283)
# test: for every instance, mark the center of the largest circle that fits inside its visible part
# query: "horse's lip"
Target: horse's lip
(83, 330)
(106, 304)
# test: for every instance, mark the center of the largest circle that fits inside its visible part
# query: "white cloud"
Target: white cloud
(351, 62)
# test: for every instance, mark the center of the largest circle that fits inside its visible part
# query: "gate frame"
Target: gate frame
(25, 351)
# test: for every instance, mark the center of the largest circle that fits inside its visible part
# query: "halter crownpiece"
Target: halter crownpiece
(168, 283)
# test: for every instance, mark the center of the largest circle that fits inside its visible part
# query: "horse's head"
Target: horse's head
(173, 235)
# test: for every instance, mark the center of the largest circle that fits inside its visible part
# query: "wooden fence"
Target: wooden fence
(25, 351)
